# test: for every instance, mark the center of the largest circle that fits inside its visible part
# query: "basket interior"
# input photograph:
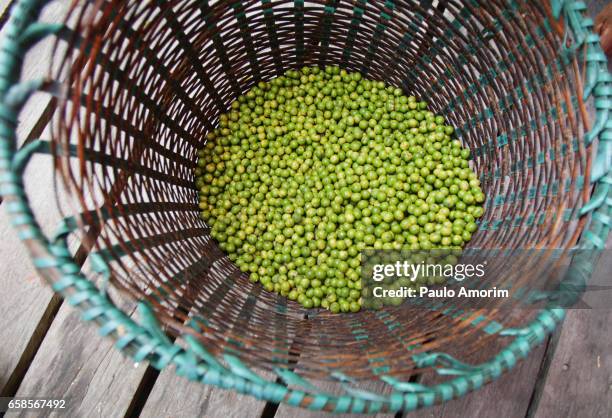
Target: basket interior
(145, 82)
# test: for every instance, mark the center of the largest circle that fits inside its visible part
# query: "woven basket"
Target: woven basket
(140, 83)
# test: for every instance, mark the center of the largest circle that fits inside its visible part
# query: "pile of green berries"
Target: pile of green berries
(307, 170)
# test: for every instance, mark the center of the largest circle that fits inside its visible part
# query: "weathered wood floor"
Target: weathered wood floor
(48, 351)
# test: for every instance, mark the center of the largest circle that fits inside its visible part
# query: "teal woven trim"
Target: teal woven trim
(326, 24)
(515, 96)
(299, 32)
(268, 13)
(143, 339)
(358, 10)
(519, 132)
(384, 18)
(598, 85)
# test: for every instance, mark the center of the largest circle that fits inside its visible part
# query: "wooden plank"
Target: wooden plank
(89, 372)
(175, 396)
(76, 364)
(286, 411)
(579, 380)
(36, 66)
(72, 362)
(570, 376)
(29, 304)
(509, 396)
(27, 301)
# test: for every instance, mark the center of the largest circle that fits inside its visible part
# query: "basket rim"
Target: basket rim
(147, 341)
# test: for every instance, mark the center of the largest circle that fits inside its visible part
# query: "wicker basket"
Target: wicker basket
(140, 83)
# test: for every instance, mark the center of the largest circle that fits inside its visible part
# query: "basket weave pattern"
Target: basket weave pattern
(139, 84)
